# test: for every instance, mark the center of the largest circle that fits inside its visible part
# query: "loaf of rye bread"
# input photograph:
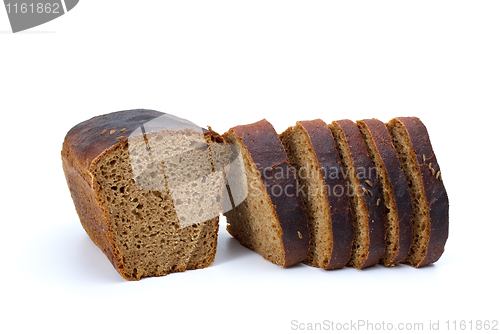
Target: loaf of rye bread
(366, 195)
(147, 187)
(428, 195)
(311, 150)
(271, 220)
(394, 189)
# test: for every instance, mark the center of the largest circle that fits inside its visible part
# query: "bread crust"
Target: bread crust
(362, 161)
(328, 158)
(397, 180)
(268, 154)
(87, 140)
(83, 147)
(92, 216)
(435, 193)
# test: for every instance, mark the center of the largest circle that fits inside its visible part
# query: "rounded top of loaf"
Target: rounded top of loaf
(88, 139)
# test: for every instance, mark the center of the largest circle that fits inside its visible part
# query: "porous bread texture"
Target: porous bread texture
(429, 227)
(167, 201)
(254, 222)
(152, 208)
(302, 157)
(397, 245)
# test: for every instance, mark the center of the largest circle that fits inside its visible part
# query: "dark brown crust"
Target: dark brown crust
(86, 141)
(91, 215)
(328, 158)
(268, 154)
(89, 208)
(383, 143)
(362, 162)
(84, 144)
(435, 192)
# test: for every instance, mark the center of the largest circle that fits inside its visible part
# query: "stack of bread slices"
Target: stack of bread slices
(338, 194)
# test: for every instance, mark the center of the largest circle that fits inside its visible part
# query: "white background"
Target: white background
(225, 63)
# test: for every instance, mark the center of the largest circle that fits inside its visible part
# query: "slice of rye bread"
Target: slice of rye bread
(428, 195)
(394, 189)
(271, 220)
(147, 196)
(311, 150)
(366, 195)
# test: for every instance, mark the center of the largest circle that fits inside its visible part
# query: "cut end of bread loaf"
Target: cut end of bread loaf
(160, 210)
(151, 201)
